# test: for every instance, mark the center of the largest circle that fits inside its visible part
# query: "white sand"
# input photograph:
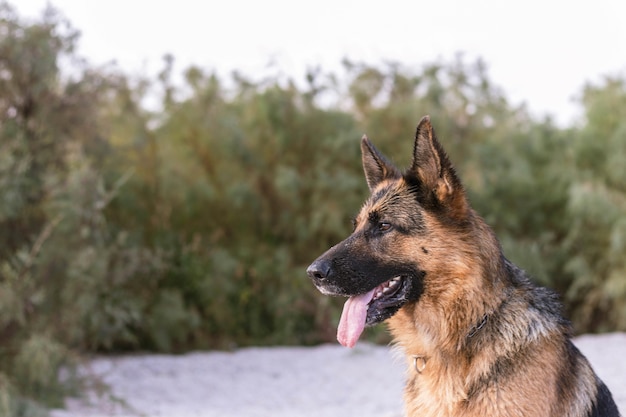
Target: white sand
(324, 381)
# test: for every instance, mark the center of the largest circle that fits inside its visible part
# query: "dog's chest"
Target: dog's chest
(432, 390)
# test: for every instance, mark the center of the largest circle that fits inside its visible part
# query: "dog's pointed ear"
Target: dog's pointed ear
(375, 165)
(433, 170)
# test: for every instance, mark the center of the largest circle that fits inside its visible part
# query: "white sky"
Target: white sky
(541, 52)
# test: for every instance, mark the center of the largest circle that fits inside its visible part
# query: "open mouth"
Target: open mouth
(388, 297)
(371, 308)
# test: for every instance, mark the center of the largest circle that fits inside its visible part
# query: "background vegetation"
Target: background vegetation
(190, 227)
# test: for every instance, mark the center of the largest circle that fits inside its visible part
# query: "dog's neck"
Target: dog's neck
(442, 333)
(422, 329)
(421, 360)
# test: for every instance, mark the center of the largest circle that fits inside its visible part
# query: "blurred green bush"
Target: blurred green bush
(190, 227)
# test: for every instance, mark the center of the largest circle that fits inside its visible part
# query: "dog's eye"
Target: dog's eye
(383, 227)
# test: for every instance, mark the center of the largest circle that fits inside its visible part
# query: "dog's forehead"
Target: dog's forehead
(390, 198)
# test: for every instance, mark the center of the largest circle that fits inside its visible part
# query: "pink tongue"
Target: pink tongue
(353, 318)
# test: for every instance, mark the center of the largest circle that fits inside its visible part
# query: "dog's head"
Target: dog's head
(400, 236)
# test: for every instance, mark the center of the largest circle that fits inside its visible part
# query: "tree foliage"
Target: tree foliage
(191, 226)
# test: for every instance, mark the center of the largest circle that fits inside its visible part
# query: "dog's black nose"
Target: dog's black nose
(319, 270)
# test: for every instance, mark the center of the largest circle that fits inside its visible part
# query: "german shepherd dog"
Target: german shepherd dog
(480, 339)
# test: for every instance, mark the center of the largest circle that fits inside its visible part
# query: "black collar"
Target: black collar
(476, 328)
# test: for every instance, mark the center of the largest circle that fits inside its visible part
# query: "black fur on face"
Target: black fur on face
(352, 268)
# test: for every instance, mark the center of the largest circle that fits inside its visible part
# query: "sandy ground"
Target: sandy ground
(323, 381)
